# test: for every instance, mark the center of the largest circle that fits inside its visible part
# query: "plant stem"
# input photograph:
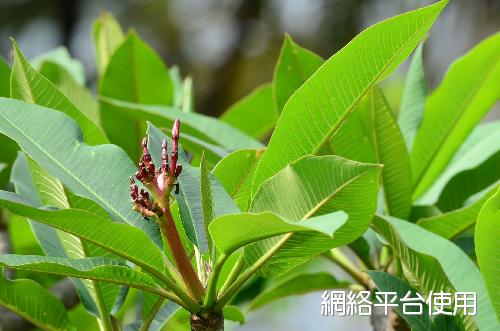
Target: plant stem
(212, 321)
(151, 316)
(233, 274)
(385, 257)
(224, 297)
(336, 256)
(167, 227)
(211, 294)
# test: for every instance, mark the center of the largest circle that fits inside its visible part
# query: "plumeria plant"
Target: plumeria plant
(318, 164)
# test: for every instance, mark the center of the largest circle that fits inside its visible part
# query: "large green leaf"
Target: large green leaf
(108, 36)
(78, 94)
(371, 134)
(452, 223)
(436, 264)
(30, 86)
(235, 173)
(53, 140)
(34, 303)
(320, 106)
(121, 239)
(203, 127)
(468, 166)
(95, 268)
(255, 114)
(233, 231)
(135, 73)
(413, 99)
(296, 285)
(487, 238)
(189, 197)
(295, 65)
(207, 199)
(468, 91)
(418, 322)
(309, 187)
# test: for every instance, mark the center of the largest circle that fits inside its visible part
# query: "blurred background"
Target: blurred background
(229, 47)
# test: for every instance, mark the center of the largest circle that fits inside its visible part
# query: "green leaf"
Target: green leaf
(255, 114)
(207, 199)
(468, 90)
(203, 127)
(233, 231)
(189, 198)
(53, 140)
(387, 283)
(296, 285)
(436, 264)
(235, 173)
(62, 58)
(372, 135)
(413, 99)
(233, 313)
(468, 166)
(453, 223)
(48, 191)
(28, 85)
(34, 303)
(487, 238)
(295, 65)
(95, 268)
(4, 78)
(108, 36)
(78, 94)
(135, 73)
(320, 106)
(121, 239)
(309, 187)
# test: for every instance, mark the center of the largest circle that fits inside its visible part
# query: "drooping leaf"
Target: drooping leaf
(255, 114)
(235, 173)
(296, 285)
(487, 239)
(468, 171)
(418, 322)
(320, 106)
(62, 58)
(468, 90)
(372, 135)
(413, 99)
(233, 231)
(53, 140)
(95, 268)
(30, 86)
(451, 224)
(295, 65)
(189, 197)
(436, 264)
(233, 313)
(135, 73)
(78, 94)
(34, 303)
(309, 187)
(108, 36)
(121, 239)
